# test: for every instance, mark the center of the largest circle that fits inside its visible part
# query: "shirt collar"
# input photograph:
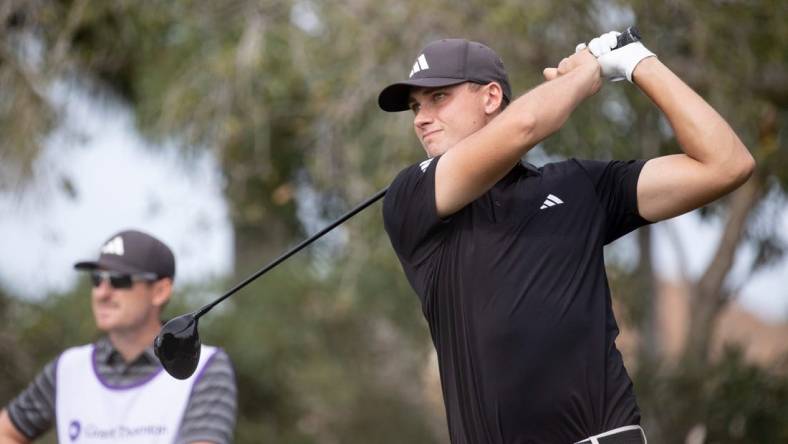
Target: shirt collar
(108, 354)
(521, 169)
(530, 169)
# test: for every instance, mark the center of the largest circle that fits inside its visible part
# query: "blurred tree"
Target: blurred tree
(25, 117)
(14, 361)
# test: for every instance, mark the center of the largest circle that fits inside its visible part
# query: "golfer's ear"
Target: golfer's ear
(162, 290)
(493, 97)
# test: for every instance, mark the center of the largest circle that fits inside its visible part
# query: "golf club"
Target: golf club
(630, 35)
(178, 343)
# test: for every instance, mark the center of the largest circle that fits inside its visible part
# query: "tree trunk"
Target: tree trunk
(708, 296)
(254, 247)
(650, 347)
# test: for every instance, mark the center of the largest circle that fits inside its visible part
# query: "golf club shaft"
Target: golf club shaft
(293, 251)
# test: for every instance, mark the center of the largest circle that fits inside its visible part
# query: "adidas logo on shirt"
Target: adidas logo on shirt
(551, 201)
(420, 64)
(425, 164)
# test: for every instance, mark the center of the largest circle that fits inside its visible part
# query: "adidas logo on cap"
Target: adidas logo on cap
(113, 246)
(418, 65)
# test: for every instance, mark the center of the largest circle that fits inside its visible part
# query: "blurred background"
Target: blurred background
(232, 129)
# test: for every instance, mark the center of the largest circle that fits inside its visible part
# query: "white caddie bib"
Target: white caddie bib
(89, 411)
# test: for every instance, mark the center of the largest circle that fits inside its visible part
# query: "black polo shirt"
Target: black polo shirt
(514, 289)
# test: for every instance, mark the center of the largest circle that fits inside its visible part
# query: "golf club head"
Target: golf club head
(178, 346)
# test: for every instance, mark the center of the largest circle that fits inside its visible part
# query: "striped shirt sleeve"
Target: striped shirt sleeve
(211, 410)
(33, 410)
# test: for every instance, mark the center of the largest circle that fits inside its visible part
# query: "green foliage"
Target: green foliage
(732, 401)
(47, 327)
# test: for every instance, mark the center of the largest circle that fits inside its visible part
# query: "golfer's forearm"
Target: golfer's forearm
(700, 131)
(549, 105)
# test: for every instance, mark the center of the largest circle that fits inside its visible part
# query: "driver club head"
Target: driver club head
(178, 346)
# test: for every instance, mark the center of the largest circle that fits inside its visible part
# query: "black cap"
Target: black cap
(132, 252)
(447, 62)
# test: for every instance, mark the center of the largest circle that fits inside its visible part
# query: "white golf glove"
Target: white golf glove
(616, 64)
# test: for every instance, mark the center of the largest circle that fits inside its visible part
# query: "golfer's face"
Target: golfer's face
(444, 116)
(122, 309)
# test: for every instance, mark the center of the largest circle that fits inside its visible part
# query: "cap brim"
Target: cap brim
(394, 97)
(106, 264)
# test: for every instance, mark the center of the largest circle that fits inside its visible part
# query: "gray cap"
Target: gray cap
(132, 252)
(447, 62)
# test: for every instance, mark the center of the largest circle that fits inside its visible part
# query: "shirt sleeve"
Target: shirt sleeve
(615, 183)
(410, 215)
(33, 411)
(211, 411)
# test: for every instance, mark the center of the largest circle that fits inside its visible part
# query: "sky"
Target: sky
(123, 181)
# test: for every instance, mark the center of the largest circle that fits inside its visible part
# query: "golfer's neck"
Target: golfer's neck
(130, 344)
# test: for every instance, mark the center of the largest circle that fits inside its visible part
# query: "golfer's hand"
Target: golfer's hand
(617, 64)
(581, 61)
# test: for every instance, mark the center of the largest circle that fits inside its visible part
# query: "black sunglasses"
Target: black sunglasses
(120, 280)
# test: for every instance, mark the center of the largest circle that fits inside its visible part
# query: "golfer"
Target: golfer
(506, 258)
(114, 390)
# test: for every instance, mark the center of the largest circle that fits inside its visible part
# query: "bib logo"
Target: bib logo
(115, 433)
(73, 430)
